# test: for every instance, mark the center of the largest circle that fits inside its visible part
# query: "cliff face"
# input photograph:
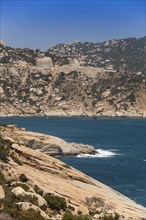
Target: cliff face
(36, 181)
(104, 79)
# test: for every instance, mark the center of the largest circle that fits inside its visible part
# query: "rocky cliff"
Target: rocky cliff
(34, 186)
(95, 79)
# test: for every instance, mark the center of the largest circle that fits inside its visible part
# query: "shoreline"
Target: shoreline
(74, 116)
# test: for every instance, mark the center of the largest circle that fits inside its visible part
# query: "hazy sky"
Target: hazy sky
(42, 24)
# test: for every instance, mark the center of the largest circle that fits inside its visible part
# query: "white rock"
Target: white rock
(58, 98)
(139, 73)
(45, 62)
(111, 212)
(39, 92)
(2, 193)
(97, 216)
(18, 191)
(22, 63)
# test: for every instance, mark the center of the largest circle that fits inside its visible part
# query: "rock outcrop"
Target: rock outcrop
(20, 191)
(27, 205)
(47, 144)
(60, 185)
(45, 62)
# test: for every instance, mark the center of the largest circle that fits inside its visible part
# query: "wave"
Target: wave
(99, 153)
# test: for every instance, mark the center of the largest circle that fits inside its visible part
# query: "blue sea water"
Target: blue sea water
(124, 170)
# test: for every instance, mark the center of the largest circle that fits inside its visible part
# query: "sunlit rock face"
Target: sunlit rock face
(45, 62)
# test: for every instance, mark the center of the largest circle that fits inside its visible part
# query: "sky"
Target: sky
(44, 23)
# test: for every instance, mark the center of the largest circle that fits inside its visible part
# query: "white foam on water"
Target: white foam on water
(99, 153)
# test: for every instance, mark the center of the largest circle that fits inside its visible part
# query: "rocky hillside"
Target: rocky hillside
(34, 186)
(128, 54)
(95, 79)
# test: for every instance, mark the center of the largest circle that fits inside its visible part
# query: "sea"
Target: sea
(120, 161)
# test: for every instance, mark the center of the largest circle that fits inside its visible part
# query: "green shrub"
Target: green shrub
(4, 149)
(55, 202)
(84, 217)
(23, 178)
(28, 198)
(23, 185)
(68, 216)
(2, 179)
(16, 212)
(38, 110)
(30, 214)
(110, 216)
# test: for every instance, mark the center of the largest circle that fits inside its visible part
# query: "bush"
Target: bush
(68, 216)
(55, 202)
(23, 185)
(38, 190)
(84, 217)
(30, 214)
(4, 149)
(2, 179)
(110, 216)
(23, 178)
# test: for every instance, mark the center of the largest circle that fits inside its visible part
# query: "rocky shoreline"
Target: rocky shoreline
(27, 172)
(51, 145)
(76, 116)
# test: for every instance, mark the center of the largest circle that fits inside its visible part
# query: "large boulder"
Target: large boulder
(18, 191)
(27, 205)
(45, 62)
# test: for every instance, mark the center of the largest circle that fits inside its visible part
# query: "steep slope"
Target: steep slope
(104, 79)
(29, 173)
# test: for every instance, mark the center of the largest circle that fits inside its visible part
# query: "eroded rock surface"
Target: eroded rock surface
(51, 177)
